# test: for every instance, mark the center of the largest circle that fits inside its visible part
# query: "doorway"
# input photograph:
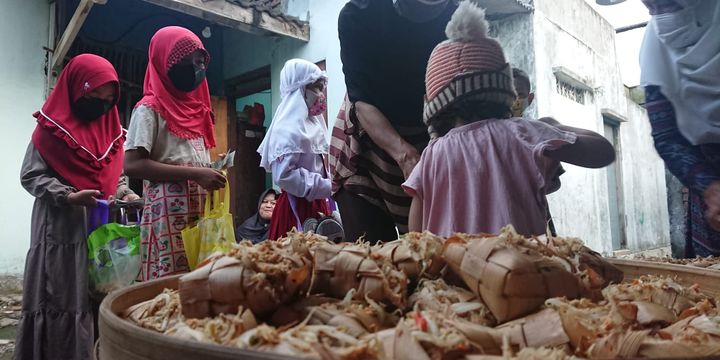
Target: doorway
(249, 104)
(614, 181)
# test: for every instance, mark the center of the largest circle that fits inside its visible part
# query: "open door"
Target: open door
(220, 108)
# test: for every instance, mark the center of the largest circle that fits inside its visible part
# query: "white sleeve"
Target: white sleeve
(142, 129)
(299, 181)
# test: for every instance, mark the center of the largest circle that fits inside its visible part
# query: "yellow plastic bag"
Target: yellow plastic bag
(214, 231)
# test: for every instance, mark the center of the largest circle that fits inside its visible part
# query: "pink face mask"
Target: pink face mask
(316, 102)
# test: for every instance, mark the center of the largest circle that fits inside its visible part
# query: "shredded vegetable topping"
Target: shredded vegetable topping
(426, 297)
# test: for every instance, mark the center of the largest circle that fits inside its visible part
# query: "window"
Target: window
(571, 92)
(571, 85)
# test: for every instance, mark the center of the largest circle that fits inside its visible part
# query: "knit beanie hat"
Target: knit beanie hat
(467, 65)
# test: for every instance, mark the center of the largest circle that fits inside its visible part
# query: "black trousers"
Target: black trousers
(361, 218)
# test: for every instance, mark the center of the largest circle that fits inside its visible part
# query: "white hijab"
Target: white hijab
(681, 54)
(292, 130)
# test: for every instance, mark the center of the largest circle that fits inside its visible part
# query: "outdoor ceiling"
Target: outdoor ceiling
(495, 9)
(262, 17)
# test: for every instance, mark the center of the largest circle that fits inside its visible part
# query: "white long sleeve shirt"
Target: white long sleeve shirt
(302, 175)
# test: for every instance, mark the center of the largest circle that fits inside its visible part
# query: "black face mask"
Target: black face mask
(186, 77)
(89, 109)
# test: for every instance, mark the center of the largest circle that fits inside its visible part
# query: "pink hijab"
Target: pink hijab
(188, 114)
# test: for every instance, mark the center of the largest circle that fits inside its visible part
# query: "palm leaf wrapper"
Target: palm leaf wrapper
(474, 297)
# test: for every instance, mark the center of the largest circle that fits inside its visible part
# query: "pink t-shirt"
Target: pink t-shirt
(488, 174)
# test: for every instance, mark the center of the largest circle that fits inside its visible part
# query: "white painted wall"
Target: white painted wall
(572, 35)
(24, 24)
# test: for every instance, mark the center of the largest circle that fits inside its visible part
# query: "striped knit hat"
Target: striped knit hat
(468, 64)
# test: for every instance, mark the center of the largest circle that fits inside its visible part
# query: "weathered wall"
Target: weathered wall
(21, 94)
(647, 220)
(515, 34)
(571, 35)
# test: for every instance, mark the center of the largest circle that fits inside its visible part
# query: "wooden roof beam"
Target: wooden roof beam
(71, 31)
(235, 16)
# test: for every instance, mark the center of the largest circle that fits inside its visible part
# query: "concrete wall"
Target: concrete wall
(570, 34)
(21, 94)
(515, 34)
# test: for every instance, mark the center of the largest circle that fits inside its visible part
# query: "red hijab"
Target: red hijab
(88, 155)
(188, 114)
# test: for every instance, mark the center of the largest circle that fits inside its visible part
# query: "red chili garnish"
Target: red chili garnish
(421, 322)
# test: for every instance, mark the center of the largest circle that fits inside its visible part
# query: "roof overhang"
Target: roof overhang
(233, 15)
(497, 9)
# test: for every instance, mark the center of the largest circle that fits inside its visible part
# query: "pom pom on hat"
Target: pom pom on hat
(467, 23)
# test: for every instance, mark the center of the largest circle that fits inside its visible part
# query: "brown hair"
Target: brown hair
(466, 111)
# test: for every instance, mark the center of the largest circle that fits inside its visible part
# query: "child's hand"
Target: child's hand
(84, 198)
(130, 197)
(209, 179)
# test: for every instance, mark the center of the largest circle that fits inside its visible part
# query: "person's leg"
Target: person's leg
(361, 218)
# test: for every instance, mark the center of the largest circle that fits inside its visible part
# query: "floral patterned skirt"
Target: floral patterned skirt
(169, 208)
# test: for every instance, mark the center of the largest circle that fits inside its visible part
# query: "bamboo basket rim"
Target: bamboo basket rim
(110, 312)
(686, 274)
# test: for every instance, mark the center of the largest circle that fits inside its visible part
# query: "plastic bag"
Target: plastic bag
(98, 215)
(114, 257)
(214, 231)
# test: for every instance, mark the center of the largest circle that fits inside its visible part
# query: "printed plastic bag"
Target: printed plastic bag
(114, 257)
(214, 231)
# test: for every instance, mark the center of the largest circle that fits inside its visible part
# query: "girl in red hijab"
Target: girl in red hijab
(75, 157)
(170, 132)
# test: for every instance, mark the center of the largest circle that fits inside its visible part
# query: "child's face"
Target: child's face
(524, 97)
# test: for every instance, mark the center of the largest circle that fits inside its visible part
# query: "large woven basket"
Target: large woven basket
(122, 340)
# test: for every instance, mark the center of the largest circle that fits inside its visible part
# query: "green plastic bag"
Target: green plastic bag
(114, 257)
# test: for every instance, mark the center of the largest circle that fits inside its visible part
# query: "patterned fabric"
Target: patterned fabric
(169, 208)
(495, 87)
(687, 162)
(344, 147)
(695, 166)
(704, 241)
(361, 167)
(183, 48)
(469, 63)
